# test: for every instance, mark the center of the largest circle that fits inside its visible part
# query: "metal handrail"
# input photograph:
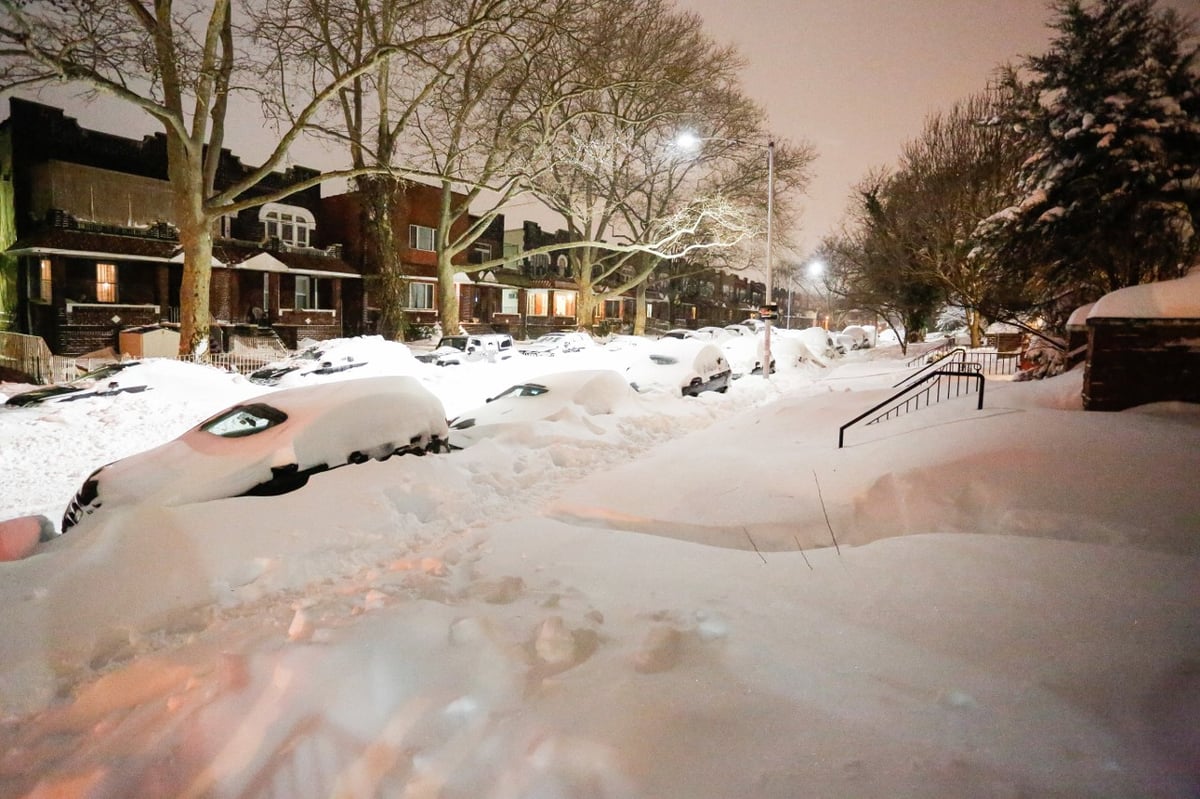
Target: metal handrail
(968, 371)
(942, 361)
(945, 345)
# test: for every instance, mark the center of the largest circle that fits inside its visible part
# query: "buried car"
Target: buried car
(105, 381)
(455, 350)
(272, 444)
(684, 365)
(553, 397)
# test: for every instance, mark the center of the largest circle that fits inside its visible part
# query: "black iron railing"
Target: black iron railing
(945, 346)
(946, 383)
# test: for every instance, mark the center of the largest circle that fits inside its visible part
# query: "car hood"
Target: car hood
(195, 467)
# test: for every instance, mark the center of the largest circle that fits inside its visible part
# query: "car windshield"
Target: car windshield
(457, 342)
(108, 370)
(665, 360)
(523, 390)
(244, 420)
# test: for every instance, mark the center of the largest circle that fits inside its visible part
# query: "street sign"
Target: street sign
(768, 312)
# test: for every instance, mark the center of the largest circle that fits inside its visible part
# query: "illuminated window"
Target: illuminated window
(106, 282)
(537, 302)
(564, 303)
(421, 238)
(45, 283)
(420, 296)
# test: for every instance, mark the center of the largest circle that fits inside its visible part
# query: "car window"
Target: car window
(522, 390)
(244, 420)
(108, 370)
(665, 360)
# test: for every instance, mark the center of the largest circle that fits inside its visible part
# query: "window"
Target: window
(612, 309)
(244, 420)
(537, 302)
(483, 252)
(420, 296)
(564, 266)
(44, 290)
(106, 282)
(291, 224)
(508, 302)
(421, 237)
(564, 303)
(307, 297)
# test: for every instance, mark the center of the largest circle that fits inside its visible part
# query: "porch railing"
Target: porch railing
(947, 383)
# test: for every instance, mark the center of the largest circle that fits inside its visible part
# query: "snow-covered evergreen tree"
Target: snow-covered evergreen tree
(1111, 197)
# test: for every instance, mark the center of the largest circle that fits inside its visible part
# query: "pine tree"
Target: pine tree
(1111, 197)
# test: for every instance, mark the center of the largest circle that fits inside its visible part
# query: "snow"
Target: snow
(704, 598)
(1166, 299)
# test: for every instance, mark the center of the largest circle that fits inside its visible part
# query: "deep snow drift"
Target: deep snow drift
(686, 598)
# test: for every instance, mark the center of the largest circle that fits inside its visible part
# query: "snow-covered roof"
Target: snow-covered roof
(1079, 316)
(1167, 299)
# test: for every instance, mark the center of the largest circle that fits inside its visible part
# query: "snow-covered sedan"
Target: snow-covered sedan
(561, 397)
(272, 444)
(683, 365)
(557, 342)
(106, 381)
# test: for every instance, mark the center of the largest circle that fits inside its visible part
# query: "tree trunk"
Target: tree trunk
(585, 306)
(447, 294)
(639, 310)
(195, 239)
(379, 195)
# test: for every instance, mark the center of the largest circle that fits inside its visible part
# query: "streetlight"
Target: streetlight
(816, 269)
(689, 141)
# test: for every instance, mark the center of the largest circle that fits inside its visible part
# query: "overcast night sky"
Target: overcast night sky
(856, 78)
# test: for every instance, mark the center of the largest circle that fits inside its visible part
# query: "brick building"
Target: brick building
(96, 250)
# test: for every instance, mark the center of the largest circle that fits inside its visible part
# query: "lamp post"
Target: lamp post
(688, 140)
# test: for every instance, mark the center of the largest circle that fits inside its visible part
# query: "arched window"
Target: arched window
(291, 224)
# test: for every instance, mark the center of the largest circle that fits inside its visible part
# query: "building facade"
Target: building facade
(96, 249)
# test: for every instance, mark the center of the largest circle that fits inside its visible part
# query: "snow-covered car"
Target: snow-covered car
(713, 333)
(271, 444)
(738, 330)
(557, 342)
(455, 350)
(557, 397)
(687, 366)
(682, 332)
(862, 335)
(105, 381)
(745, 354)
(315, 360)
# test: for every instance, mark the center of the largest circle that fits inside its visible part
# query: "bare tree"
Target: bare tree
(375, 112)
(180, 62)
(616, 175)
(961, 169)
(481, 136)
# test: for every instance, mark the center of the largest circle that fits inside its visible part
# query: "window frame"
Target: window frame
(415, 234)
(106, 290)
(311, 295)
(425, 289)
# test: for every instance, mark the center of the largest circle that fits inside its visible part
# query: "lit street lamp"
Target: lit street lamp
(689, 141)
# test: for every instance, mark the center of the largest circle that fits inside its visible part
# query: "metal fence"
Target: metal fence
(28, 357)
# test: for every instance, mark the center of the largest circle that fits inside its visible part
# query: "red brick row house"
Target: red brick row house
(85, 225)
(96, 251)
